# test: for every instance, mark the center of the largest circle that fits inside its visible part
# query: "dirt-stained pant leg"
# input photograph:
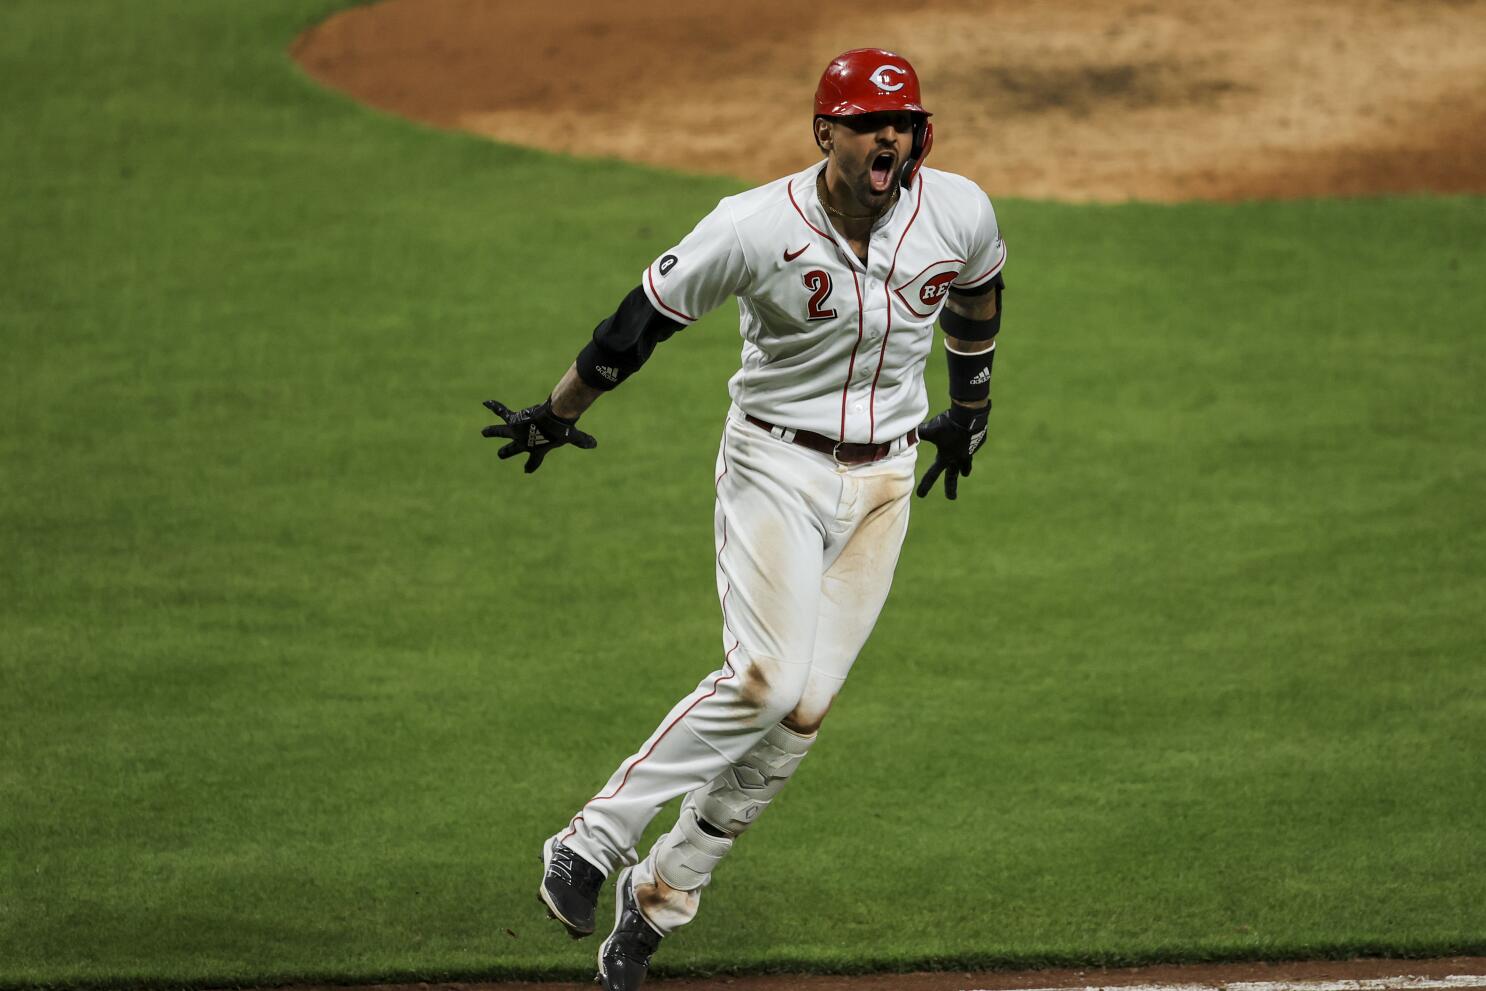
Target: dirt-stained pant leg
(775, 507)
(864, 537)
(858, 576)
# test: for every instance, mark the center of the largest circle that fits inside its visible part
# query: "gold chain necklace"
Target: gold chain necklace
(820, 191)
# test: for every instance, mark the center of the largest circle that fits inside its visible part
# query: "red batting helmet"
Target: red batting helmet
(873, 80)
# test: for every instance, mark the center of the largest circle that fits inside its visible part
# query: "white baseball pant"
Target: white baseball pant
(806, 549)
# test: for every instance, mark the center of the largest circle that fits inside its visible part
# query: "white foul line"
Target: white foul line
(1402, 983)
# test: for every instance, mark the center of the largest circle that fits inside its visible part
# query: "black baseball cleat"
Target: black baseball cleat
(570, 888)
(624, 959)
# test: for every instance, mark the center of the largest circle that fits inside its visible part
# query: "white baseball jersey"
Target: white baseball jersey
(830, 344)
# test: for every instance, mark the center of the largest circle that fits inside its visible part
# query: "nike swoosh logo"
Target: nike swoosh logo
(791, 257)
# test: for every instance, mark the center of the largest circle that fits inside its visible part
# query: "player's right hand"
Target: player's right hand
(534, 431)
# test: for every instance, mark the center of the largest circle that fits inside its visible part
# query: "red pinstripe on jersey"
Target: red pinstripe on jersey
(669, 309)
(971, 283)
(887, 295)
(852, 367)
(852, 364)
(791, 194)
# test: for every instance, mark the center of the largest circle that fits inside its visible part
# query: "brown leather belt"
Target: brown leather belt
(846, 454)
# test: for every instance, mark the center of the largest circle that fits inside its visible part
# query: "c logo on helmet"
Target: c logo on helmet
(880, 78)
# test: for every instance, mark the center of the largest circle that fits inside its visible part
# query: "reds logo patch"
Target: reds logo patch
(933, 292)
(925, 292)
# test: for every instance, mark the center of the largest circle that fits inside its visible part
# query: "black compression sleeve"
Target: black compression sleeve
(624, 341)
(970, 374)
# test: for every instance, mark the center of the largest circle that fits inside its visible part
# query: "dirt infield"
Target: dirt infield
(1066, 99)
(1371, 975)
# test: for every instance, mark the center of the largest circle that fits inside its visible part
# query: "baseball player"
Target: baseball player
(840, 271)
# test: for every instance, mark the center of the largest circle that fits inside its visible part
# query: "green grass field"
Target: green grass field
(295, 676)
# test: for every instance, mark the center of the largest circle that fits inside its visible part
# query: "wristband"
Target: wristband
(969, 419)
(970, 374)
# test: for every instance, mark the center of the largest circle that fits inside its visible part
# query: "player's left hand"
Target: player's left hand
(957, 433)
(534, 431)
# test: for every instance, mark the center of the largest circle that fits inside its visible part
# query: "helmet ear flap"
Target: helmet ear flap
(923, 140)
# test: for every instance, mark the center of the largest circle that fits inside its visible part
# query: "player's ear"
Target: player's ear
(823, 135)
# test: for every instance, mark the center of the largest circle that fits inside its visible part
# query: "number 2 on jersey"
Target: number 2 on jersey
(819, 284)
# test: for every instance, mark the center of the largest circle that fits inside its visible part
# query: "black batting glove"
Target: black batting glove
(534, 431)
(957, 433)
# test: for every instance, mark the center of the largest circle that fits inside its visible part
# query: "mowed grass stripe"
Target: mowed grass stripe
(295, 677)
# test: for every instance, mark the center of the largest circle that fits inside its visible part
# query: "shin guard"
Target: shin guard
(736, 797)
(669, 882)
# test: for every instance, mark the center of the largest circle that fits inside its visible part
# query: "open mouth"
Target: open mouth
(882, 171)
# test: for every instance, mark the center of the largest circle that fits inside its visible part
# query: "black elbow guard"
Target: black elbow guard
(623, 342)
(602, 369)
